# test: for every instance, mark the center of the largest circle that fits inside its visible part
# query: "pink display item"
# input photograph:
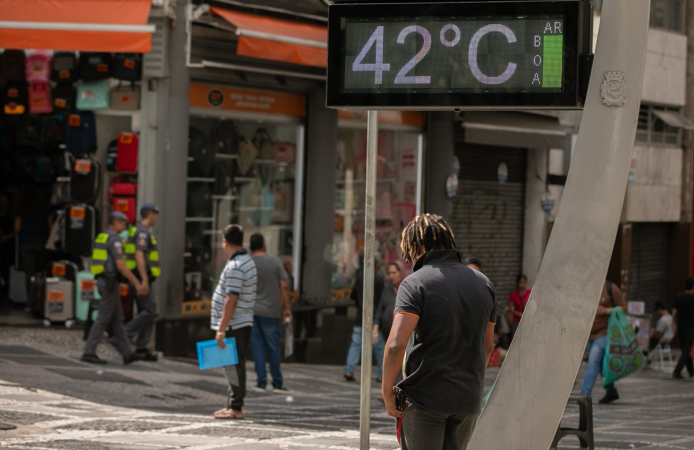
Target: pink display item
(40, 101)
(38, 67)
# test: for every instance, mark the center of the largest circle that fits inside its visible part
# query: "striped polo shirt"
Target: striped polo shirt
(238, 277)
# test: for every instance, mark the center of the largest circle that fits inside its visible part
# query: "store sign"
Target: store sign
(246, 100)
(467, 55)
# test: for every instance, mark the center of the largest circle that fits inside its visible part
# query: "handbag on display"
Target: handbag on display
(38, 67)
(263, 143)
(125, 98)
(40, 99)
(64, 68)
(15, 100)
(127, 66)
(246, 155)
(12, 65)
(93, 95)
(64, 97)
(284, 152)
(95, 66)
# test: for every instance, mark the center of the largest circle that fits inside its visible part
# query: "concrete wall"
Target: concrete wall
(654, 191)
(666, 66)
(439, 159)
(535, 224)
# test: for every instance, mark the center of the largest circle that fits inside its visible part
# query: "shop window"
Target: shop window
(397, 200)
(242, 172)
(653, 130)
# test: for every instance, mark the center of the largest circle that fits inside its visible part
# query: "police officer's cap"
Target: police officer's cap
(149, 207)
(119, 215)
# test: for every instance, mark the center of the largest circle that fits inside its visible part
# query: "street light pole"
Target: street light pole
(369, 275)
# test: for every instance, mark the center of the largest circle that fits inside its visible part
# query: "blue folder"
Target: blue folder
(210, 355)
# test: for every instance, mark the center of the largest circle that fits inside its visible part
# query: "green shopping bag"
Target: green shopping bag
(623, 356)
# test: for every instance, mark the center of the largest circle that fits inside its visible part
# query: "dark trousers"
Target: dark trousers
(686, 340)
(142, 324)
(422, 430)
(110, 314)
(236, 374)
(265, 338)
(34, 261)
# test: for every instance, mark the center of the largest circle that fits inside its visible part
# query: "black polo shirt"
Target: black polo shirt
(445, 359)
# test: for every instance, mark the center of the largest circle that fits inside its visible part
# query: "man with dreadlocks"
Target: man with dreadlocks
(444, 319)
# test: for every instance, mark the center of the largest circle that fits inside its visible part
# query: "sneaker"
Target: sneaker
(677, 376)
(131, 358)
(146, 355)
(350, 377)
(260, 389)
(93, 359)
(608, 398)
(280, 390)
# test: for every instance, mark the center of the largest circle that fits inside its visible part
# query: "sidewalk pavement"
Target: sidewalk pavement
(58, 402)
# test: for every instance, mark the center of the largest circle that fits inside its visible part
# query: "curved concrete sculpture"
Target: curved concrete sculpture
(530, 395)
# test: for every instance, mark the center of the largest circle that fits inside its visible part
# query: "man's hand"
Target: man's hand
(603, 311)
(389, 400)
(286, 313)
(219, 337)
(375, 335)
(140, 289)
(145, 287)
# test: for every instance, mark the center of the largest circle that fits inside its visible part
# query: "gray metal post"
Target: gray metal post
(369, 275)
(532, 389)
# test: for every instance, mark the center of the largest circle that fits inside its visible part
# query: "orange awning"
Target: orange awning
(277, 39)
(82, 25)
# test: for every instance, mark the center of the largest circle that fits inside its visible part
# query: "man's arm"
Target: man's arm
(142, 268)
(230, 303)
(403, 326)
(286, 301)
(127, 273)
(674, 320)
(488, 343)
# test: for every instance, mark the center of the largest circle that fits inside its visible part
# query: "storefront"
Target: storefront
(70, 127)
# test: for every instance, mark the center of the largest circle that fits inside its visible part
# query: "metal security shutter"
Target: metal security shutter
(488, 218)
(649, 256)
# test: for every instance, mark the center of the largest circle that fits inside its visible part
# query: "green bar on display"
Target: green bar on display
(553, 48)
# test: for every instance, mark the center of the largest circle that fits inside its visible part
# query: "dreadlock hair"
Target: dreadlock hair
(426, 233)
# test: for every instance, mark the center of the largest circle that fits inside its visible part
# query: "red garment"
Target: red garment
(518, 302)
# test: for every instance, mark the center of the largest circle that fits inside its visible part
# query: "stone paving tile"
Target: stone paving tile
(24, 418)
(137, 425)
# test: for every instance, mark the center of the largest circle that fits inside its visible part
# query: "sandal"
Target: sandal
(228, 414)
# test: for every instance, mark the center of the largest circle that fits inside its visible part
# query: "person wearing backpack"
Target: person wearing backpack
(610, 298)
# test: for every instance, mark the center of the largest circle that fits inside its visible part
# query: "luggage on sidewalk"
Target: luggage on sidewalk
(18, 287)
(60, 300)
(37, 295)
(85, 181)
(86, 295)
(62, 269)
(128, 145)
(124, 197)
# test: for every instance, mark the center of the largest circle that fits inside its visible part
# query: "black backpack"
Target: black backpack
(64, 68)
(64, 97)
(12, 65)
(85, 181)
(15, 98)
(127, 66)
(95, 66)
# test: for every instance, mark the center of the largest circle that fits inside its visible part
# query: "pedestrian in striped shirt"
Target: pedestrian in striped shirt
(232, 314)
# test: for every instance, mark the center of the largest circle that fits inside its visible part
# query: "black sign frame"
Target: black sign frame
(569, 98)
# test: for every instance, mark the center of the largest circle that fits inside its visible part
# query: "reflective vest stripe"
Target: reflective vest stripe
(101, 238)
(153, 256)
(156, 271)
(99, 254)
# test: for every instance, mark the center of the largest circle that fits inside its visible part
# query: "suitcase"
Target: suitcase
(80, 229)
(15, 98)
(60, 300)
(18, 287)
(94, 66)
(126, 161)
(64, 67)
(80, 136)
(43, 169)
(12, 65)
(127, 66)
(85, 181)
(37, 295)
(125, 98)
(85, 293)
(62, 269)
(202, 153)
(64, 97)
(40, 99)
(38, 67)
(124, 197)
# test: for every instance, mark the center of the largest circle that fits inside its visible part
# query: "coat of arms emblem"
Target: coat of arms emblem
(614, 89)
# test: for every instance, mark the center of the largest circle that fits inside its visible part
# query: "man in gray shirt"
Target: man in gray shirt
(271, 305)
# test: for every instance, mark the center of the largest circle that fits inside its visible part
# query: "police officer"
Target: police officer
(142, 257)
(109, 268)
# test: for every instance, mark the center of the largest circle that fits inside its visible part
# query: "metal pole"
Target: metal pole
(369, 275)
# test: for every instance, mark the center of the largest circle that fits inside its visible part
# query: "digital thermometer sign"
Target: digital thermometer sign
(472, 55)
